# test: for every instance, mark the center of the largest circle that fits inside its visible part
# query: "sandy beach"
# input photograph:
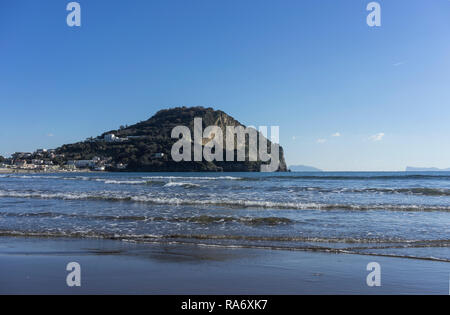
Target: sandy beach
(38, 266)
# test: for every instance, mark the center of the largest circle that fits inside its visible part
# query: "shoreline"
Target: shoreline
(163, 241)
(38, 266)
(31, 171)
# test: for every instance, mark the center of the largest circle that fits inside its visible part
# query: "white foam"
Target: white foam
(121, 182)
(194, 177)
(168, 200)
(183, 184)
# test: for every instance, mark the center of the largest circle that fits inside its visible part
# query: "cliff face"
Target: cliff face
(147, 138)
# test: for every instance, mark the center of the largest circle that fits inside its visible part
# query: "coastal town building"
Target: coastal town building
(37, 162)
(48, 160)
(112, 138)
(82, 163)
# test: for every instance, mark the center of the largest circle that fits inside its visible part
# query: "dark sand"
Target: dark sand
(36, 265)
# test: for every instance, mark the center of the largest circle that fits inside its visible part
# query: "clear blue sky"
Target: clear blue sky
(312, 67)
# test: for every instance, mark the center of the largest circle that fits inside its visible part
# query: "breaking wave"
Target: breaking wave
(349, 177)
(421, 191)
(137, 181)
(410, 191)
(182, 184)
(193, 177)
(202, 219)
(224, 202)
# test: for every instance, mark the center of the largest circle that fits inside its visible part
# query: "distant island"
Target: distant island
(142, 147)
(426, 169)
(303, 168)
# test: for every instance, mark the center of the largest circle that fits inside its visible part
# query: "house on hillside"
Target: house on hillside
(113, 138)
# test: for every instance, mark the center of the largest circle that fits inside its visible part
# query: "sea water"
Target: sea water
(378, 213)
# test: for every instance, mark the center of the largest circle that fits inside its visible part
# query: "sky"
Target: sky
(346, 96)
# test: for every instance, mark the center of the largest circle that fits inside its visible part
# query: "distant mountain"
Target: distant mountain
(303, 168)
(146, 146)
(426, 169)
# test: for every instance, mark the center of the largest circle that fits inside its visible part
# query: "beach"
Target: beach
(38, 266)
(225, 233)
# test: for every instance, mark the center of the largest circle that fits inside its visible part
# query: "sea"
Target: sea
(398, 214)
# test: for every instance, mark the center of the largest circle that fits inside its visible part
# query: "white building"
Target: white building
(37, 161)
(82, 163)
(112, 138)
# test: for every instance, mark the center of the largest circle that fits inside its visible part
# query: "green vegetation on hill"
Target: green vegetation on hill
(147, 138)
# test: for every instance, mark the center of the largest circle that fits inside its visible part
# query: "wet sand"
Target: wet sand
(38, 266)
